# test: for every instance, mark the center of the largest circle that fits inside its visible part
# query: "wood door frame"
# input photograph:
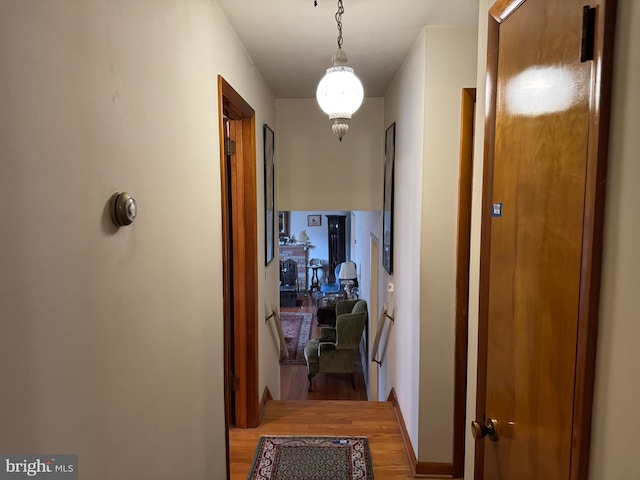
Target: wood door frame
(465, 184)
(240, 264)
(602, 67)
(374, 293)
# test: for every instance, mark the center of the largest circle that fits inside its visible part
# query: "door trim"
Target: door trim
(374, 283)
(240, 263)
(465, 183)
(602, 67)
(592, 239)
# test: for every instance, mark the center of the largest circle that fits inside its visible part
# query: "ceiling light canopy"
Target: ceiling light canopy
(340, 92)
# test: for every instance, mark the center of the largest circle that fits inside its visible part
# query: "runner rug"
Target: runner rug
(296, 328)
(318, 458)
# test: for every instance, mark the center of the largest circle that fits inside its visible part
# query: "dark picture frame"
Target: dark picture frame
(387, 209)
(314, 220)
(283, 224)
(269, 194)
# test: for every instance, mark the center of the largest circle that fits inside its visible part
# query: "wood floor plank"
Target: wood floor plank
(375, 420)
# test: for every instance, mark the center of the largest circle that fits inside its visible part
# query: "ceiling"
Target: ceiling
(292, 42)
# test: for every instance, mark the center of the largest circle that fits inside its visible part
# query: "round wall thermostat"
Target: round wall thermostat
(123, 209)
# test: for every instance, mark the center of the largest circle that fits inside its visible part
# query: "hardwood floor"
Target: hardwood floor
(326, 386)
(375, 420)
(333, 408)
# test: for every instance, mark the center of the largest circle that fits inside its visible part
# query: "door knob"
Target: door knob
(489, 430)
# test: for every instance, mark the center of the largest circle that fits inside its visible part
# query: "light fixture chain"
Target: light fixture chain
(339, 22)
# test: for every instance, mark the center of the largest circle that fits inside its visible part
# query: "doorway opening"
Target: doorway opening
(240, 265)
(312, 243)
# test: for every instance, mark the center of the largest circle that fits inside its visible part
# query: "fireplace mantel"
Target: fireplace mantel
(300, 254)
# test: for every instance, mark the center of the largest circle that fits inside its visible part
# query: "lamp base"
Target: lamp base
(348, 290)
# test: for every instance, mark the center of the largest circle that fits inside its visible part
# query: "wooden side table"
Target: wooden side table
(315, 283)
(327, 314)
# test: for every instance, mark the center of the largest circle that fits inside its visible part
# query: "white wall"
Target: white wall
(318, 234)
(111, 342)
(616, 420)
(315, 171)
(404, 104)
(318, 237)
(367, 223)
(451, 66)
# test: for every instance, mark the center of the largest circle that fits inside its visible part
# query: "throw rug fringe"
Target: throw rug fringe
(318, 458)
(296, 328)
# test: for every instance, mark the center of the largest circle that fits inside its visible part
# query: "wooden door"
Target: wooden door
(240, 262)
(545, 155)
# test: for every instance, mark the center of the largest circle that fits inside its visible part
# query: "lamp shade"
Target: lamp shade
(348, 271)
(340, 92)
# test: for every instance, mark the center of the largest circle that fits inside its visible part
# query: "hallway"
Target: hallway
(333, 408)
(375, 420)
(326, 386)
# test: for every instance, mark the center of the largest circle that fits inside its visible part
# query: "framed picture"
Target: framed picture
(283, 224)
(314, 220)
(269, 193)
(387, 209)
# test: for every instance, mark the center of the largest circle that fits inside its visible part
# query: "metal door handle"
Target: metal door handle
(489, 430)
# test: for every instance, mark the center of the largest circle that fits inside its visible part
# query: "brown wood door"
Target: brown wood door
(541, 231)
(240, 262)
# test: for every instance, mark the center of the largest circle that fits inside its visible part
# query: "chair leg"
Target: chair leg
(310, 377)
(353, 381)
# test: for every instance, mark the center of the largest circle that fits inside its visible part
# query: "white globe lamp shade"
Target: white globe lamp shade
(340, 92)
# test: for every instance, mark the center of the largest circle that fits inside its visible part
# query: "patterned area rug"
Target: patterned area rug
(317, 458)
(296, 328)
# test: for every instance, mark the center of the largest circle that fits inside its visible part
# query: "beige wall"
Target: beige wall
(237, 68)
(424, 101)
(111, 342)
(615, 414)
(404, 104)
(315, 171)
(616, 421)
(451, 66)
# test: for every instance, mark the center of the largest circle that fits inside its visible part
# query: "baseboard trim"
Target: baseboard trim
(266, 396)
(418, 469)
(408, 448)
(442, 470)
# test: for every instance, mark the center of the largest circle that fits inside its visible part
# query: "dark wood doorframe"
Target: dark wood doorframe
(240, 263)
(462, 276)
(599, 112)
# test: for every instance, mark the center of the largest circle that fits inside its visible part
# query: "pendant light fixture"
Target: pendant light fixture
(340, 92)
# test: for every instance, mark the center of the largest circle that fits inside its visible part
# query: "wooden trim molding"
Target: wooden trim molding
(418, 469)
(465, 187)
(433, 470)
(408, 448)
(266, 397)
(501, 9)
(592, 240)
(239, 228)
(485, 232)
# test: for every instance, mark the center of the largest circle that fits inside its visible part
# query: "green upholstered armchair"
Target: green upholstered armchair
(337, 348)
